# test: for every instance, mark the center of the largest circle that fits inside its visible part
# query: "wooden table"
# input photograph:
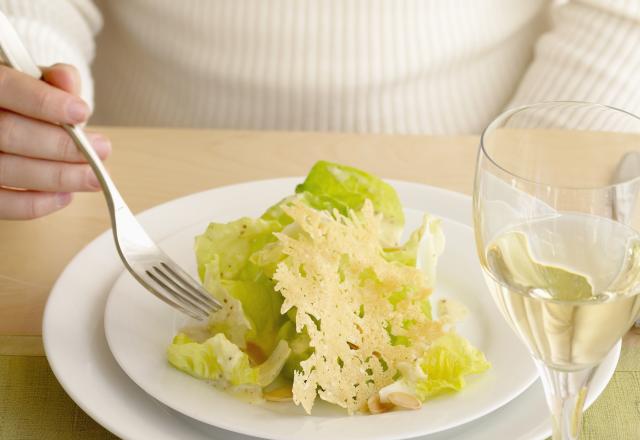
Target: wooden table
(155, 165)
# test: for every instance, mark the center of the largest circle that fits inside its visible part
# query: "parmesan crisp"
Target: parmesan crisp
(353, 303)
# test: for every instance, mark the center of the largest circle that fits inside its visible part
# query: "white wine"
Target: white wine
(568, 284)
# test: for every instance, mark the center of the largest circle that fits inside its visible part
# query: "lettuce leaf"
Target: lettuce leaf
(422, 249)
(299, 344)
(446, 363)
(261, 305)
(271, 368)
(330, 186)
(442, 369)
(231, 244)
(219, 359)
(251, 306)
(349, 187)
(230, 319)
(250, 313)
(216, 358)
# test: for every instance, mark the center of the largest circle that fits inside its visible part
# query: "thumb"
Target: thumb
(63, 76)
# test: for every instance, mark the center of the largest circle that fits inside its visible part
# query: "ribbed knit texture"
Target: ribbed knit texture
(58, 31)
(395, 66)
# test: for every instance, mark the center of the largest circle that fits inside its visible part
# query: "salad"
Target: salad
(321, 301)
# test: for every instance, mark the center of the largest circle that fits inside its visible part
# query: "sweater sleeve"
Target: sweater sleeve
(58, 31)
(591, 53)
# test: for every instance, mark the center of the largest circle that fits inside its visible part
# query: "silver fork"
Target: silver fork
(146, 262)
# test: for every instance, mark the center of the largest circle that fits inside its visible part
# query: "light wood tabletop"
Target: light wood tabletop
(152, 166)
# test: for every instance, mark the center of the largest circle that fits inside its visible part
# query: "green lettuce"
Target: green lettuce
(261, 305)
(216, 358)
(299, 344)
(219, 359)
(344, 187)
(271, 368)
(442, 368)
(231, 244)
(446, 363)
(330, 186)
(223, 255)
(422, 249)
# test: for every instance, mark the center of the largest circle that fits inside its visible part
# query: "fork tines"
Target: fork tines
(180, 290)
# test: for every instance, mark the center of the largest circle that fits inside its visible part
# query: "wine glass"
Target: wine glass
(557, 232)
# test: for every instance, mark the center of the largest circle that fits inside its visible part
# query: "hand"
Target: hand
(40, 165)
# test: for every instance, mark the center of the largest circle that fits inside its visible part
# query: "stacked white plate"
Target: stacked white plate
(105, 338)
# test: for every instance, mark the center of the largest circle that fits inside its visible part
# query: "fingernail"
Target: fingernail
(78, 111)
(94, 183)
(62, 199)
(101, 144)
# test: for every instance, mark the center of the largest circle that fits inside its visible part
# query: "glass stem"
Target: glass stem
(566, 392)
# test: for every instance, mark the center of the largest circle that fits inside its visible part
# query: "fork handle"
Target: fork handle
(15, 55)
(122, 219)
(112, 195)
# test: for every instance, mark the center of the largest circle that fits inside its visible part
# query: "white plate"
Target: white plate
(78, 354)
(139, 328)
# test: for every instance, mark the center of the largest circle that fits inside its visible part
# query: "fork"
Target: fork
(144, 260)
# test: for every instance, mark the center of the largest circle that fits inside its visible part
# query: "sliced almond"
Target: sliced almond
(404, 400)
(279, 395)
(376, 406)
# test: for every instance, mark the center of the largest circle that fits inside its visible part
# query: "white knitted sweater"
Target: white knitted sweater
(396, 66)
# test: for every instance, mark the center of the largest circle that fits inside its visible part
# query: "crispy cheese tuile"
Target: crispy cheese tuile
(339, 283)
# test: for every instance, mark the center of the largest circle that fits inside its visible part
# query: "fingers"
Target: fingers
(45, 175)
(34, 98)
(29, 137)
(24, 205)
(63, 76)
(35, 153)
